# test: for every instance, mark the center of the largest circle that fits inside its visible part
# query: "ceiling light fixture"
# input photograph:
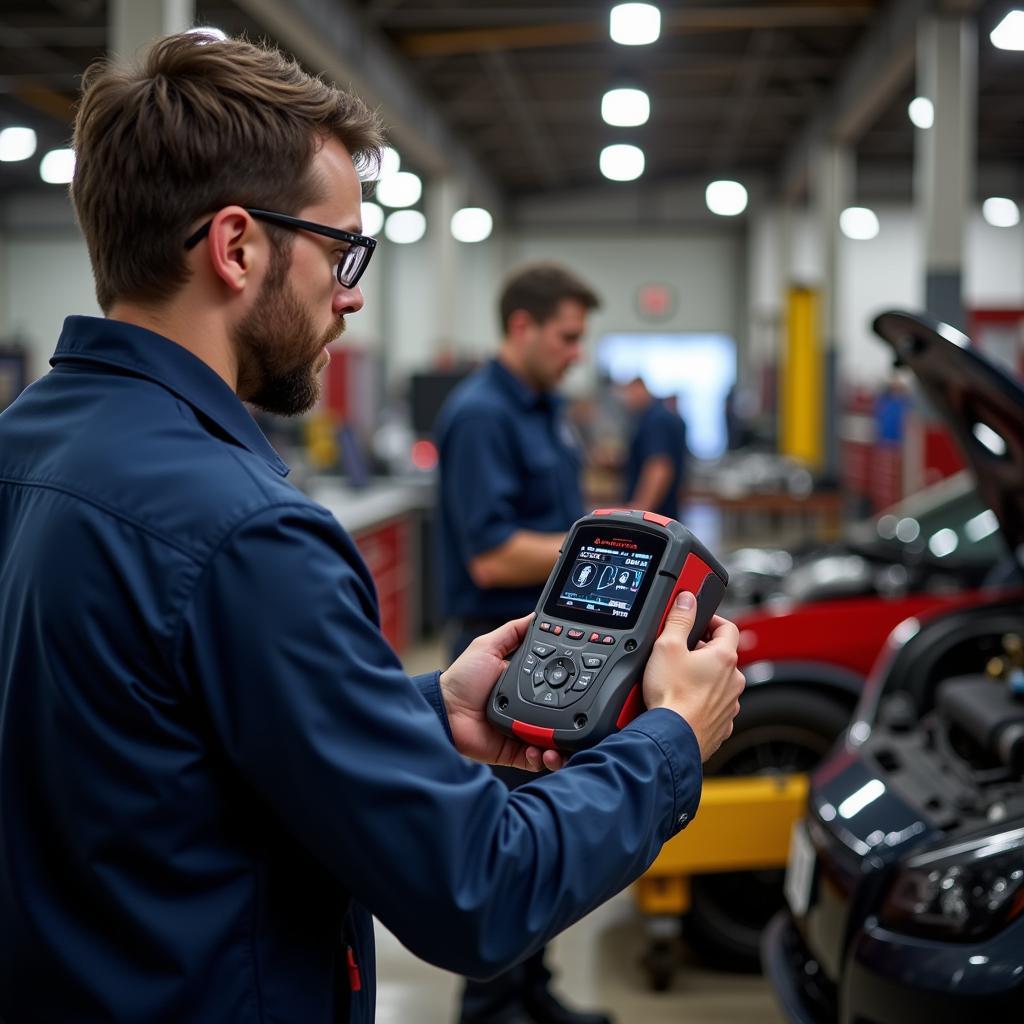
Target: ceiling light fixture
(1009, 33)
(403, 188)
(921, 111)
(212, 34)
(858, 223)
(634, 24)
(405, 227)
(58, 166)
(625, 108)
(17, 144)
(373, 219)
(622, 162)
(390, 162)
(471, 224)
(726, 198)
(1001, 212)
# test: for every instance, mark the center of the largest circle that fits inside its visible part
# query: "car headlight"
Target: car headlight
(962, 892)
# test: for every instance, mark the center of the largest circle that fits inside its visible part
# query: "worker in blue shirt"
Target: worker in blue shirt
(655, 470)
(213, 769)
(509, 491)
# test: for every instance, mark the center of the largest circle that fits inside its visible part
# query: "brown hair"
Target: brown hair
(196, 125)
(539, 289)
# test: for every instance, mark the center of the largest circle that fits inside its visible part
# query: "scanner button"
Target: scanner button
(546, 626)
(595, 638)
(584, 681)
(608, 640)
(559, 672)
(543, 650)
(593, 660)
(557, 630)
(547, 697)
(576, 634)
(538, 677)
(529, 663)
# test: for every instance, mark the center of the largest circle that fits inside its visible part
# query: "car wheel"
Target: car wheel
(778, 730)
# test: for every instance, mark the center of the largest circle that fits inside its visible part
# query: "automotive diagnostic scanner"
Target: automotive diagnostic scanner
(576, 677)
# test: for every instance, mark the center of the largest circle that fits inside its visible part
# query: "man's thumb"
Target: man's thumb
(683, 612)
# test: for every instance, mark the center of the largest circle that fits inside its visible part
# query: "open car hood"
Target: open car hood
(981, 404)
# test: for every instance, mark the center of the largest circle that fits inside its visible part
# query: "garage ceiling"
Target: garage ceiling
(733, 84)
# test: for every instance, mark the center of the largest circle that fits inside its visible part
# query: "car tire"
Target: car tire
(779, 729)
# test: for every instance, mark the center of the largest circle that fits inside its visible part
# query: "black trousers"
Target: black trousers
(480, 998)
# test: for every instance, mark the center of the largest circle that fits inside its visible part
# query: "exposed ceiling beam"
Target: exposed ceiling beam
(514, 96)
(689, 20)
(749, 87)
(873, 77)
(330, 37)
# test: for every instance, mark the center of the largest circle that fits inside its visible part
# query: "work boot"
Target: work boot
(544, 1008)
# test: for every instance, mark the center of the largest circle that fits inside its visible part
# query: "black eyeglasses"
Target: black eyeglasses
(353, 262)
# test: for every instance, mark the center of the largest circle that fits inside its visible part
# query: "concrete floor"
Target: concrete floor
(597, 965)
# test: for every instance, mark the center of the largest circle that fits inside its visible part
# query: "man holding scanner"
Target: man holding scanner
(213, 769)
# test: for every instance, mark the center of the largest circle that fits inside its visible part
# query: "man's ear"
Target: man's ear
(234, 244)
(519, 323)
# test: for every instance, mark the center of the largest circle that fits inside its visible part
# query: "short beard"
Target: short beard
(278, 348)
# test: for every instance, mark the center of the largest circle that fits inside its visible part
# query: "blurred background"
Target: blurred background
(745, 185)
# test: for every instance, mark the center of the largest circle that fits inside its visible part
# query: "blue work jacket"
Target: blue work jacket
(212, 767)
(507, 463)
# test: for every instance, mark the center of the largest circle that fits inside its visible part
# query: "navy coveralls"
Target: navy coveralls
(212, 767)
(658, 431)
(507, 464)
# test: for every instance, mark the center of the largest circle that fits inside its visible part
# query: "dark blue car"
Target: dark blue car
(905, 885)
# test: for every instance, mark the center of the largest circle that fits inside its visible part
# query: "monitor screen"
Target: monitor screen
(606, 576)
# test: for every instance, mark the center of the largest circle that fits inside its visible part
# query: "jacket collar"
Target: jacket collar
(97, 341)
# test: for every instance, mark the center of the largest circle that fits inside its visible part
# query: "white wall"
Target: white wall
(883, 273)
(715, 272)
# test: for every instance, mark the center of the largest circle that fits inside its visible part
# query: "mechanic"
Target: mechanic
(212, 767)
(656, 463)
(509, 490)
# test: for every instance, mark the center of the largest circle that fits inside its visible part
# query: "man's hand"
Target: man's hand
(466, 686)
(702, 685)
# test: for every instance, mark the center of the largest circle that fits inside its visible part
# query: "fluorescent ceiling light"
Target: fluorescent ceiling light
(1009, 33)
(989, 438)
(622, 162)
(858, 222)
(210, 32)
(943, 543)
(726, 198)
(373, 219)
(17, 144)
(390, 162)
(403, 188)
(1001, 213)
(471, 224)
(405, 226)
(635, 24)
(58, 166)
(921, 111)
(856, 802)
(625, 108)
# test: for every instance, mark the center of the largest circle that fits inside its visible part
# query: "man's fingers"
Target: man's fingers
(508, 637)
(682, 613)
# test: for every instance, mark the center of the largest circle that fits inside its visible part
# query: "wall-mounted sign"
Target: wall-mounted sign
(655, 301)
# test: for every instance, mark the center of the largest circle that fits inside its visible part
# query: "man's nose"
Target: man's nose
(347, 300)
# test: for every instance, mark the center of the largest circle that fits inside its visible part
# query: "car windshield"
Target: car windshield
(947, 522)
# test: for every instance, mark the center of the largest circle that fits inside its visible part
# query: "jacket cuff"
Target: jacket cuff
(676, 740)
(429, 685)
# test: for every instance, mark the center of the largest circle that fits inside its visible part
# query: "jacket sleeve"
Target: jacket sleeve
(280, 643)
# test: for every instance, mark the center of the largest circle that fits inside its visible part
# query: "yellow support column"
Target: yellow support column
(801, 391)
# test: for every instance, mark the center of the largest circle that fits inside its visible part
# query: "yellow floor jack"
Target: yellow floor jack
(743, 824)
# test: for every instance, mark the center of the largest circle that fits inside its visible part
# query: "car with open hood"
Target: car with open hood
(905, 884)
